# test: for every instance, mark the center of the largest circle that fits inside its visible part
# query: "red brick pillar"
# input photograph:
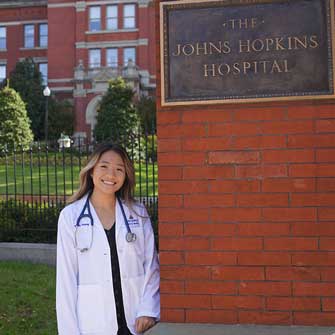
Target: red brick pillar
(246, 212)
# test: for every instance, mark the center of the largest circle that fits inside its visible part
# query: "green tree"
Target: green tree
(26, 79)
(116, 114)
(60, 118)
(15, 124)
(146, 110)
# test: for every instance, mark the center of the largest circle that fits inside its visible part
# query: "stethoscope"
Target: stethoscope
(84, 235)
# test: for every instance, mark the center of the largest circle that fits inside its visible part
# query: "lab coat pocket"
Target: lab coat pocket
(90, 308)
(134, 295)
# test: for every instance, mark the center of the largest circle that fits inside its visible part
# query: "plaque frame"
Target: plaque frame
(164, 58)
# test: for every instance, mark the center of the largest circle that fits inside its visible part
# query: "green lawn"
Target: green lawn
(27, 299)
(45, 180)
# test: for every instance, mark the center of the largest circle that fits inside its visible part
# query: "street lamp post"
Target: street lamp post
(46, 93)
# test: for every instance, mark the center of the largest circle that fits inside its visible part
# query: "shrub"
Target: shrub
(26, 79)
(37, 222)
(146, 110)
(116, 116)
(60, 118)
(15, 125)
(28, 222)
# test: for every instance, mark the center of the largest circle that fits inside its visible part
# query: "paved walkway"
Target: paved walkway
(211, 329)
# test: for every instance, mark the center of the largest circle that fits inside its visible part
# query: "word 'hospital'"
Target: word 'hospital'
(244, 68)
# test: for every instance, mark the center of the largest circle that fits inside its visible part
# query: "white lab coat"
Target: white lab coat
(84, 287)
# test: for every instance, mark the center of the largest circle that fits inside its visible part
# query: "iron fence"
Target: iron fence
(36, 181)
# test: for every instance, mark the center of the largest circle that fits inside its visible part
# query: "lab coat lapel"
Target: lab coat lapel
(120, 221)
(96, 220)
(118, 218)
(99, 229)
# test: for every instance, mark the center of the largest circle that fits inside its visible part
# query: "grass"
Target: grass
(27, 299)
(45, 180)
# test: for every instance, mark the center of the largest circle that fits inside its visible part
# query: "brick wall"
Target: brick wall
(246, 212)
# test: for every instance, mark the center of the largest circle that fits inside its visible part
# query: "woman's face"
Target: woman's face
(109, 173)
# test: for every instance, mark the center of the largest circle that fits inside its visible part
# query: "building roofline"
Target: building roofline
(22, 3)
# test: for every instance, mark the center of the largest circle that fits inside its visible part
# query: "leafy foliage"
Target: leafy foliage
(28, 222)
(149, 145)
(146, 110)
(27, 81)
(116, 115)
(15, 124)
(22, 221)
(61, 118)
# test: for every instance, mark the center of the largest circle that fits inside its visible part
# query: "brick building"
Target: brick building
(79, 46)
(246, 212)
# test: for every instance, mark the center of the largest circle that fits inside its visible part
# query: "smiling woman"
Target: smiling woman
(95, 253)
(109, 175)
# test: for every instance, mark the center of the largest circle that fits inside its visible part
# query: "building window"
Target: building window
(111, 17)
(2, 72)
(129, 16)
(94, 58)
(43, 35)
(95, 18)
(111, 56)
(29, 33)
(43, 68)
(3, 38)
(129, 54)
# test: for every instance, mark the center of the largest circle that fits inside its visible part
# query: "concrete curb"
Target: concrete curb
(30, 252)
(219, 329)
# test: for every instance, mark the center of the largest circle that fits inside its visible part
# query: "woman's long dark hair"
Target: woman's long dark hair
(126, 192)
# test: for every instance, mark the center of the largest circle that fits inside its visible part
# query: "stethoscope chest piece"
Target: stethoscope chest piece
(130, 237)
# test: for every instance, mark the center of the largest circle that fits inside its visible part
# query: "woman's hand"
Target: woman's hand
(144, 323)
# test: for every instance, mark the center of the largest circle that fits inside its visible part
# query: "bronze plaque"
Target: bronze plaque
(246, 50)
